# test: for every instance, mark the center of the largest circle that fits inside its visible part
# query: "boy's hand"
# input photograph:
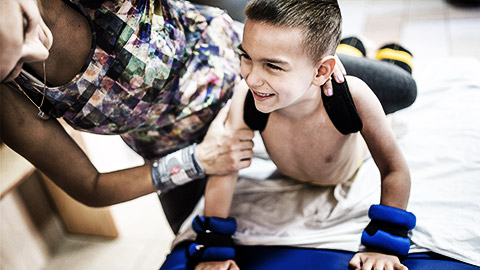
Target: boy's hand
(225, 265)
(338, 73)
(377, 261)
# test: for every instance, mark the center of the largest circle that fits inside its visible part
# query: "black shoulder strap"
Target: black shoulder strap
(255, 119)
(341, 109)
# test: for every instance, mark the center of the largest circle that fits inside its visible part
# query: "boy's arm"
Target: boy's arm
(215, 228)
(382, 144)
(219, 190)
(394, 173)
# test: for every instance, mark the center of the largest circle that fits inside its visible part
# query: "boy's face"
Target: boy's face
(275, 67)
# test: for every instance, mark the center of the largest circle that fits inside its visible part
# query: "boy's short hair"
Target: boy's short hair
(320, 21)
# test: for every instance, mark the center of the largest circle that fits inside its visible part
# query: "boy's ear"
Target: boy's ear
(323, 70)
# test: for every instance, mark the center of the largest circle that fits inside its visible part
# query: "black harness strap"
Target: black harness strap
(340, 109)
(255, 119)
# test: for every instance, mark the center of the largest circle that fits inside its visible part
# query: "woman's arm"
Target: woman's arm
(49, 148)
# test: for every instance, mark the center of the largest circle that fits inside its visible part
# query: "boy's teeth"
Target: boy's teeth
(263, 95)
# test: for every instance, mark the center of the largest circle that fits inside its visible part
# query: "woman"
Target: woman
(155, 73)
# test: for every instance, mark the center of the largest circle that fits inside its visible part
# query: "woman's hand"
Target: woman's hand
(377, 261)
(338, 73)
(223, 150)
(225, 265)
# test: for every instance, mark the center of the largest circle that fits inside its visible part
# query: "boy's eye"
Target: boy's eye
(274, 67)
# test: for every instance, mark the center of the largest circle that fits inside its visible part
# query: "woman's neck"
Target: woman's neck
(72, 39)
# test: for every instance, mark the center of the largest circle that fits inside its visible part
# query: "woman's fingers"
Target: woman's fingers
(339, 73)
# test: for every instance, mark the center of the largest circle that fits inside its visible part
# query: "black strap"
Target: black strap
(390, 228)
(341, 109)
(211, 239)
(194, 259)
(255, 119)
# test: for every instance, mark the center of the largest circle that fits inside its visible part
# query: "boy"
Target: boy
(283, 72)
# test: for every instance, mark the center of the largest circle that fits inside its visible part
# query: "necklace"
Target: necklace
(41, 113)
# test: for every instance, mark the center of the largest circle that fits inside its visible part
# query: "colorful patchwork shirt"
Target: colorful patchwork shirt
(158, 73)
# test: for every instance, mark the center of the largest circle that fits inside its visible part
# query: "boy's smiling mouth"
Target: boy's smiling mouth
(261, 96)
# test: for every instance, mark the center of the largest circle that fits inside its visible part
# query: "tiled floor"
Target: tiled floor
(144, 235)
(143, 243)
(429, 28)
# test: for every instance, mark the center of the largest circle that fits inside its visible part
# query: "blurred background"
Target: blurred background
(35, 228)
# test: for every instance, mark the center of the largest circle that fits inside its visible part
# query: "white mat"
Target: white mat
(440, 137)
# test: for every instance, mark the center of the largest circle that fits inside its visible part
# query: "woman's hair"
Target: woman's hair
(320, 21)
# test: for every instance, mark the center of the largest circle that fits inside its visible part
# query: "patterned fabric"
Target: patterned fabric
(159, 72)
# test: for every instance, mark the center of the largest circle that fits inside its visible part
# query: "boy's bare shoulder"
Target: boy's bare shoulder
(356, 85)
(235, 115)
(367, 104)
(361, 93)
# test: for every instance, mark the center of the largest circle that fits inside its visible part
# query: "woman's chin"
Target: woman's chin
(14, 73)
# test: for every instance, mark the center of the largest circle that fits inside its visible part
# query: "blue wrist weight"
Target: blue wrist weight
(214, 224)
(388, 229)
(214, 240)
(392, 215)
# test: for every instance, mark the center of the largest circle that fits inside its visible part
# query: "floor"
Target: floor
(428, 28)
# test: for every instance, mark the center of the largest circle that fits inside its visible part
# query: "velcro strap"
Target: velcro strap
(198, 253)
(214, 239)
(194, 255)
(390, 228)
(202, 253)
(195, 252)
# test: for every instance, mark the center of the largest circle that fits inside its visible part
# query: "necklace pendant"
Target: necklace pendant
(42, 115)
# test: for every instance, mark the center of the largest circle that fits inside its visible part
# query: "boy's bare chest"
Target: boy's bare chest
(311, 150)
